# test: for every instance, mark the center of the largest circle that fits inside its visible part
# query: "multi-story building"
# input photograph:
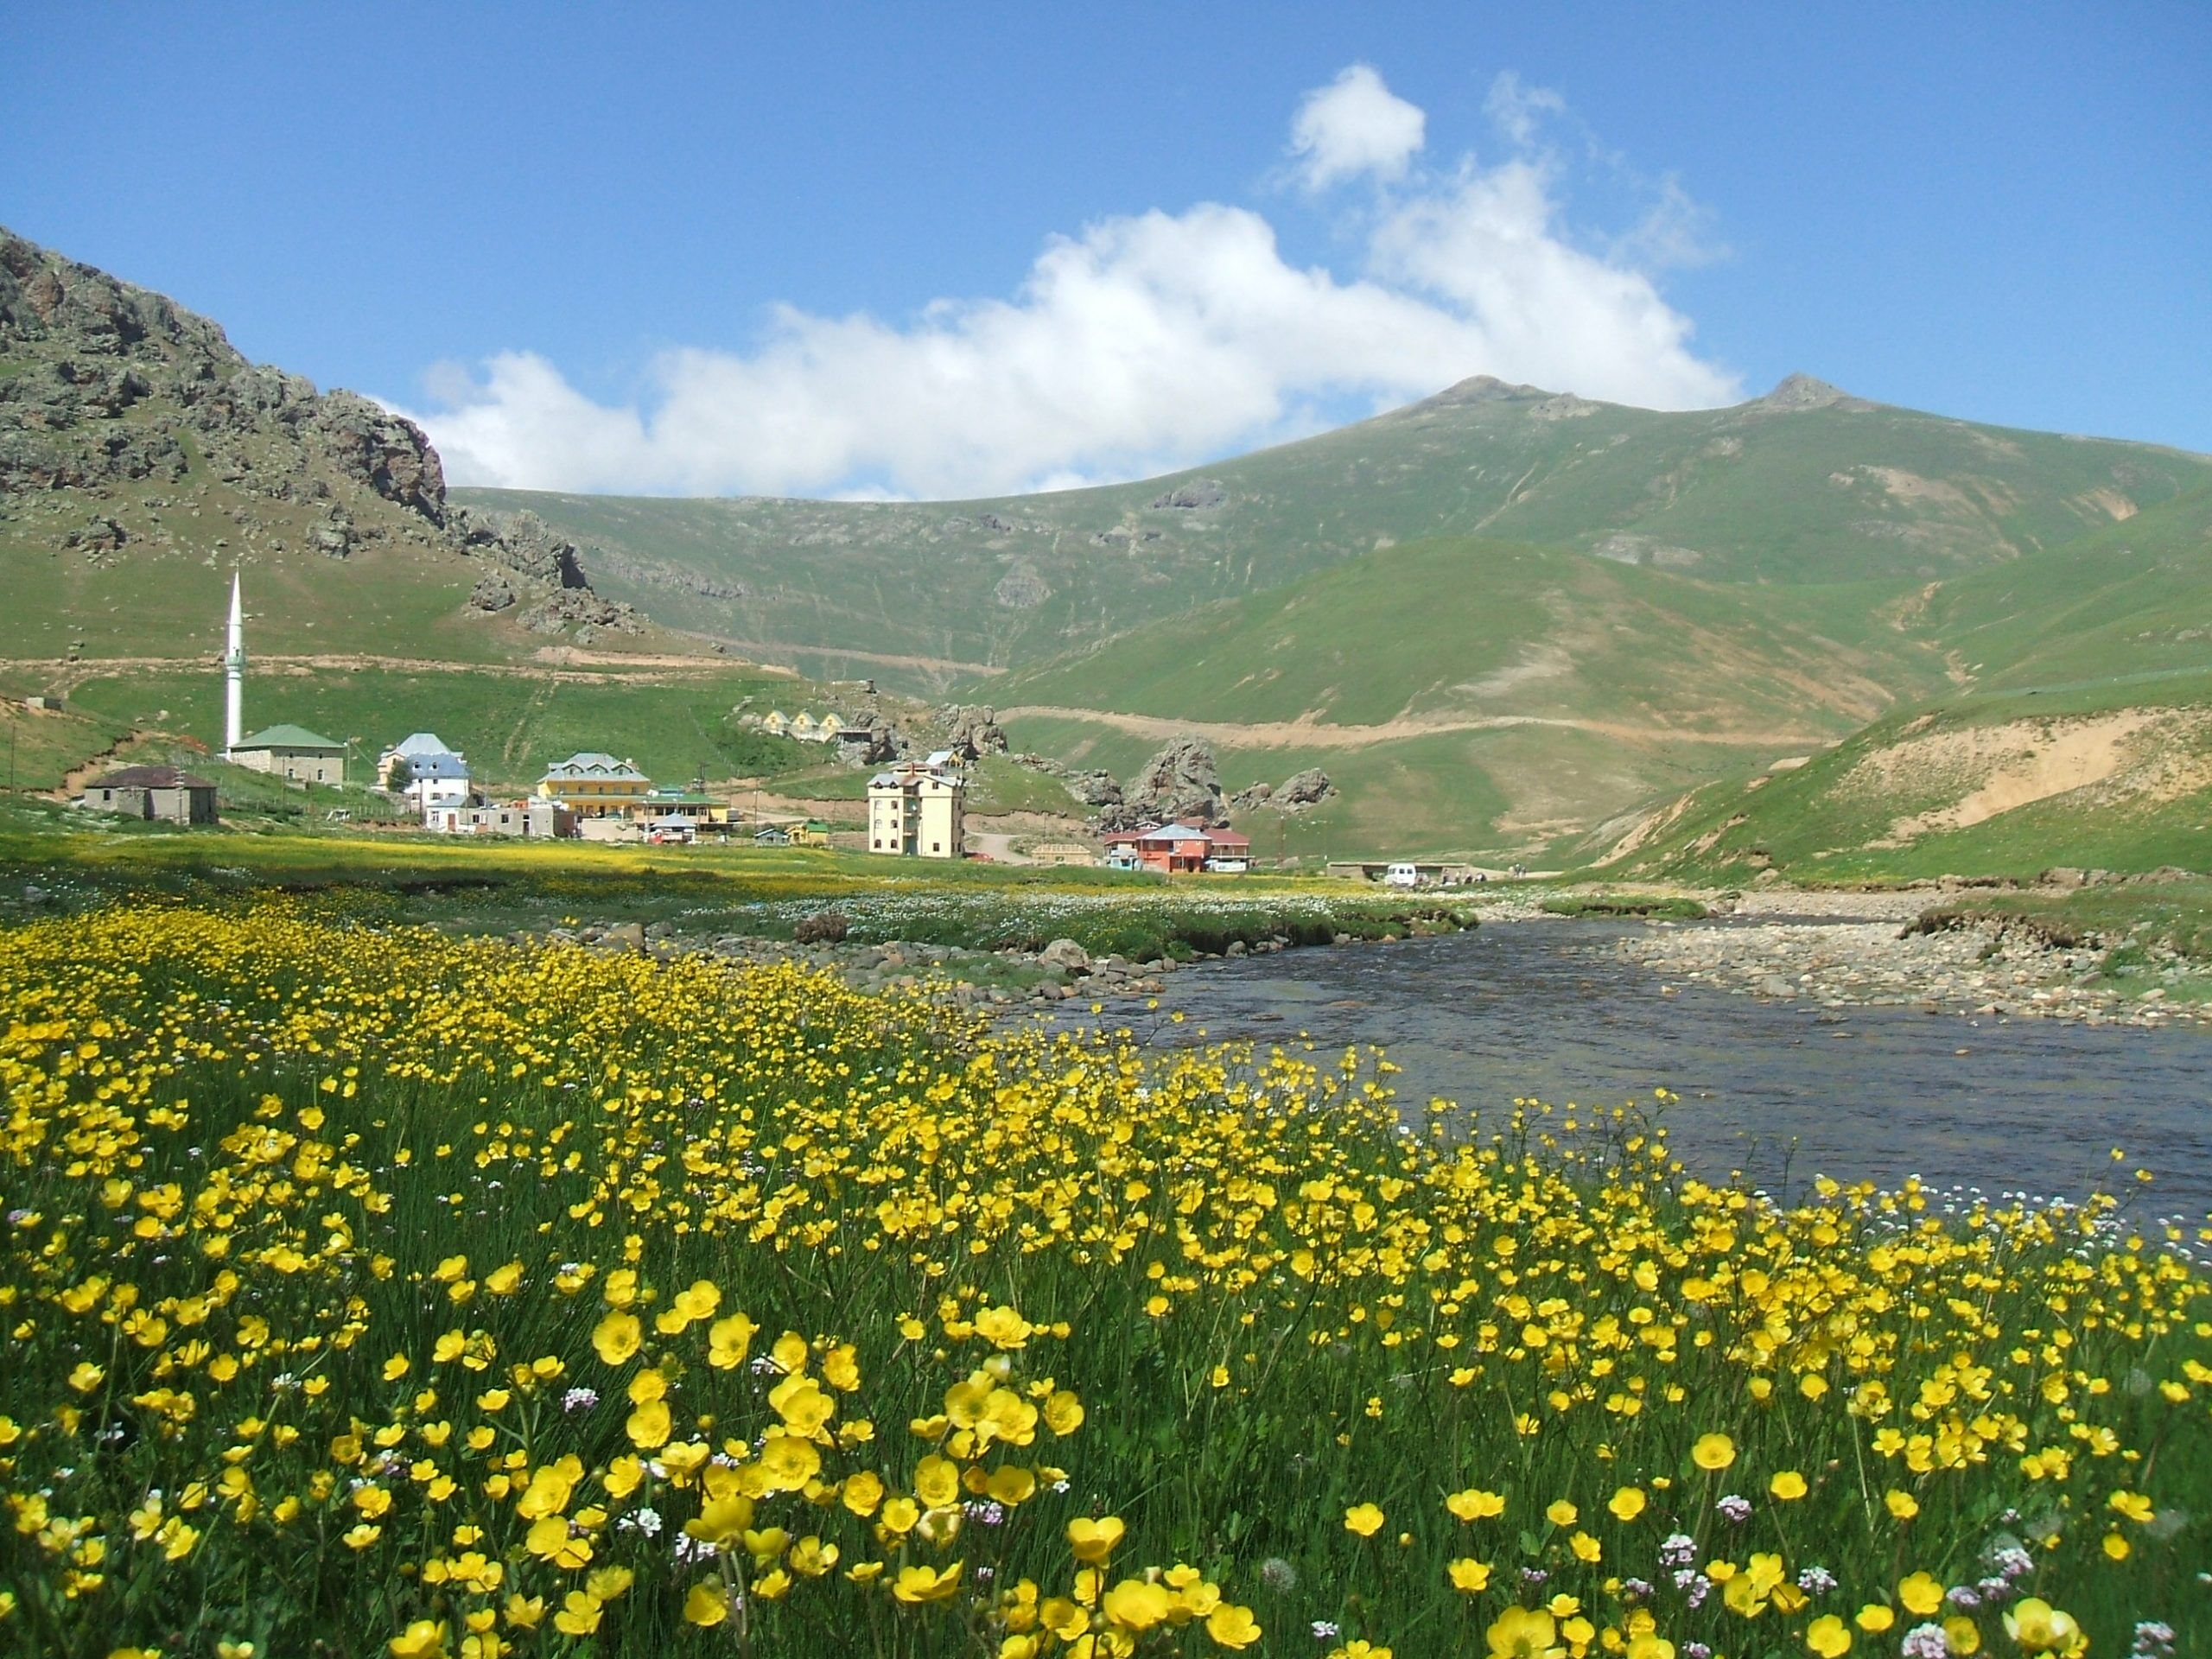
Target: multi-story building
(594, 785)
(918, 808)
(421, 767)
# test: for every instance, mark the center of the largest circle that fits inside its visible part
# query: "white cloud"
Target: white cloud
(1354, 125)
(1144, 343)
(1518, 109)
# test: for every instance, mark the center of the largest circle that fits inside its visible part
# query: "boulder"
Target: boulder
(1195, 496)
(1308, 788)
(1067, 955)
(494, 593)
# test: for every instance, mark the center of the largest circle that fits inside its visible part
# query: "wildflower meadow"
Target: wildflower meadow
(371, 1291)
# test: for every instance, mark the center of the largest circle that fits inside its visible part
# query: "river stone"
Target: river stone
(1065, 954)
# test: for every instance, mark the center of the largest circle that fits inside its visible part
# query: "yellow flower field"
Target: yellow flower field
(374, 1292)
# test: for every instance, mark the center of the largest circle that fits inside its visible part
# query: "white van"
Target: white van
(1401, 875)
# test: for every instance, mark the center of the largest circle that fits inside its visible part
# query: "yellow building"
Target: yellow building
(918, 808)
(593, 786)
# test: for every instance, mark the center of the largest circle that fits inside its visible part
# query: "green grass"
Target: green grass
(489, 886)
(997, 784)
(509, 726)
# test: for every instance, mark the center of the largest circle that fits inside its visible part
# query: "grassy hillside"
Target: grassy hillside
(509, 725)
(1803, 487)
(2130, 601)
(1465, 628)
(2109, 775)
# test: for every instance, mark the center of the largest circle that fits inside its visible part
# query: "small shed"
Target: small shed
(157, 794)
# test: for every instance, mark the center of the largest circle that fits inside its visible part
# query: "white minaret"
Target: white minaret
(234, 674)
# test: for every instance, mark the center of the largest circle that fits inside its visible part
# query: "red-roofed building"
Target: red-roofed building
(1179, 849)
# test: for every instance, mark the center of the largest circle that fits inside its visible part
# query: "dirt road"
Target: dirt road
(1322, 735)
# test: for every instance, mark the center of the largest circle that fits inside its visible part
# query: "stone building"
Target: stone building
(292, 752)
(158, 794)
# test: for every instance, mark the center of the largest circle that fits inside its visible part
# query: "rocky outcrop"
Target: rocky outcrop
(493, 593)
(1179, 783)
(1096, 787)
(524, 543)
(971, 730)
(1301, 790)
(583, 610)
(115, 387)
(1197, 494)
(1800, 391)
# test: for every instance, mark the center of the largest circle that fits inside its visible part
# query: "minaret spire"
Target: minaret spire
(234, 672)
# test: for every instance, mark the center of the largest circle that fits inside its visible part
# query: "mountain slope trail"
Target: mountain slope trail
(1323, 735)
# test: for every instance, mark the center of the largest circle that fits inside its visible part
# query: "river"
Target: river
(1546, 1009)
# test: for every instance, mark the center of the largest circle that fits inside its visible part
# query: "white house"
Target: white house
(423, 769)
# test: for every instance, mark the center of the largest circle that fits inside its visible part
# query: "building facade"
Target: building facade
(594, 785)
(537, 818)
(157, 794)
(423, 769)
(292, 752)
(1180, 850)
(918, 808)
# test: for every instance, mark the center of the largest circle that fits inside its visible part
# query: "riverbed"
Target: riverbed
(1782, 1089)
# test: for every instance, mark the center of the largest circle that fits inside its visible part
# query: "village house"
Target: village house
(158, 794)
(292, 752)
(814, 832)
(594, 785)
(803, 726)
(1180, 850)
(532, 818)
(918, 808)
(421, 767)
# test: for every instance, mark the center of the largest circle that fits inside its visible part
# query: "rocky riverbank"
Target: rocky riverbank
(1005, 982)
(1833, 955)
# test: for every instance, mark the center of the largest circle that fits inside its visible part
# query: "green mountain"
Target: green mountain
(1503, 620)
(1804, 488)
(143, 459)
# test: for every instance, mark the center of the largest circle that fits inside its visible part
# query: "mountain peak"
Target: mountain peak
(1794, 391)
(1481, 389)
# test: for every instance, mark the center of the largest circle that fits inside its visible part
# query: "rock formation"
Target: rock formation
(1301, 790)
(124, 396)
(1180, 782)
(972, 729)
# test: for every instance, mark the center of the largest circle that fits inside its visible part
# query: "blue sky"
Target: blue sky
(938, 250)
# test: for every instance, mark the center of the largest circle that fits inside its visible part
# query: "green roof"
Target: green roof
(288, 737)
